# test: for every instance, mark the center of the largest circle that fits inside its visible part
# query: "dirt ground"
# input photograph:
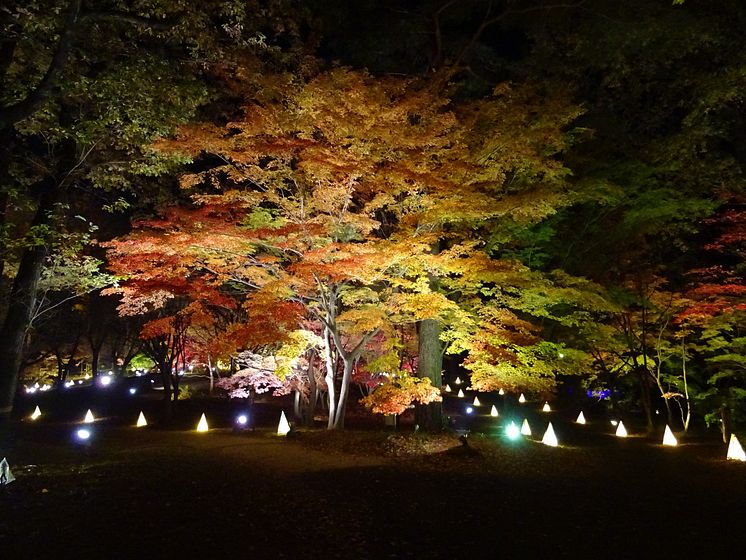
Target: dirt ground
(155, 493)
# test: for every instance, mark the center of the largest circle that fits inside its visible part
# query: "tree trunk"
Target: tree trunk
(647, 406)
(329, 362)
(22, 302)
(429, 417)
(339, 420)
(725, 422)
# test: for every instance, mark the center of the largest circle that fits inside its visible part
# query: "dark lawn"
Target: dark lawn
(150, 493)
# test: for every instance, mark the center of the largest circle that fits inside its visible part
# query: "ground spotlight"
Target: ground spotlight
(83, 434)
(469, 410)
(133, 390)
(512, 431)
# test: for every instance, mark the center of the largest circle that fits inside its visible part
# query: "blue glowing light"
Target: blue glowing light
(133, 390)
(83, 434)
(512, 431)
(469, 410)
(242, 419)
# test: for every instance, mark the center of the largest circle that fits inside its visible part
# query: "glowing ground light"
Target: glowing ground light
(448, 389)
(546, 408)
(283, 427)
(581, 418)
(469, 410)
(522, 398)
(493, 411)
(614, 422)
(549, 437)
(458, 381)
(133, 390)
(735, 451)
(621, 431)
(669, 438)
(460, 393)
(105, 381)
(83, 434)
(202, 425)
(242, 419)
(525, 428)
(501, 392)
(141, 420)
(476, 401)
(36, 413)
(512, 431)
(88, 417)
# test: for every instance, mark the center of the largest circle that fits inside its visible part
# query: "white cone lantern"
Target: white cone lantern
(546, 407)
(202, 425)
(581, 418)
(88, 417)
(621, 431)
(36, 413)
(549, 437)
(501, 392)
(448, 389)
(141, 420)
(669, 438)
(458, 381)
(476, 402)
(525, 428)
(460, 393)
(283, 427)
(493, 411)
(735, 451)
(521, 399)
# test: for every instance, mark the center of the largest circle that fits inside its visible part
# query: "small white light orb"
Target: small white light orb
(283, 427)
(581, 418)
(476, 402)
(668, 437)
(88, 417)
(512, 431)
(525, 428)
(202, 425)
(561, 355)
(549, 437)
(83, 434)
(522, 398)
(493, 411)
(546, 407)
(109, 372)
(133, 390)
(614, 422)
(469, 410)
(31, 389)
(621, 431)
(242, 419)
(36, 413)
(141, 420)
(105, 381)
(735, 451)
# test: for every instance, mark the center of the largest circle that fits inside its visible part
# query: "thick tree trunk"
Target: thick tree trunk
(429, 417)
(647, 405)
(20, 309)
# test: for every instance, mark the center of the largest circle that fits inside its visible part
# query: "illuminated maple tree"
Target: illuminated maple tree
(357, 203)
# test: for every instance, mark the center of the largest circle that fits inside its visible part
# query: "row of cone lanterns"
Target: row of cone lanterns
(283, 428)
(735, 450)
